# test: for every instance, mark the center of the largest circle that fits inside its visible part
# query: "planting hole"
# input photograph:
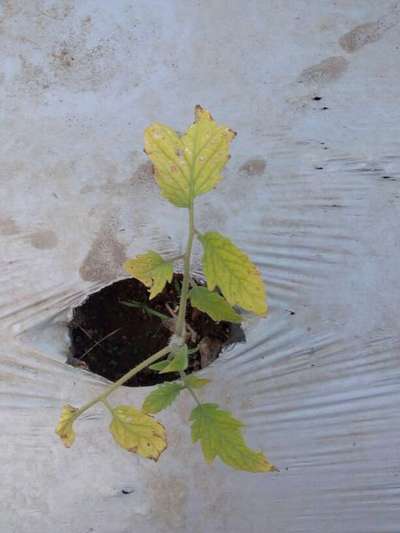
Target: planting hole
(118, 327)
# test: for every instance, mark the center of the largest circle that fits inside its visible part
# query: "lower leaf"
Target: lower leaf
(64, 427)
(220, 436)
(138, 432)
(161, 397)
(193, 382)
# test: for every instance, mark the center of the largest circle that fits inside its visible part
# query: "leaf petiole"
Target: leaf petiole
(144, 364)
(107, 405)
(189, 388)
(146, 308)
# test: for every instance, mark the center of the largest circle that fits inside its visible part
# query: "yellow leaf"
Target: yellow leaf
(151, 270)
(138, 432)
(64, 427)
(189, 165)
(227, 267)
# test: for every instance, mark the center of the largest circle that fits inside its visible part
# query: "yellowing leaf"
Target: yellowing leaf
(138, 432)
(189, 165)
(194, 382)
(161, 397)
(227, 267)
(179, 362)
(64, 427)
(213, 304)
(151, 270)
(220, 435)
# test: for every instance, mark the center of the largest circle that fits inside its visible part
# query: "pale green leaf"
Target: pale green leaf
(64, 427)
(161, 397)
(189, 165)
(159, 366)
(194, 382)
(227, 267)
(213, 304)
(152, 270)
(138, 432)
(220, 436)
(179, 361)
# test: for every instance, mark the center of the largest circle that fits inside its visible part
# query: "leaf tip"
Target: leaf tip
(264, 465)
(64, 427)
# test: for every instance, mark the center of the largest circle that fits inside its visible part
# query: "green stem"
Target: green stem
(180, 324)
(101, 397)
(194, 395)
(105, 402)
(146, 308)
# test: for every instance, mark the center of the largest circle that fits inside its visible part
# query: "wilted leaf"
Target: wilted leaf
(227, 267)
(213, 304)
(220, 435)
(138, 432)
(64, 427)
(190, 165)
(179, 361)
(159, 365)
(194, 382)
(151, 269)
(161, 397)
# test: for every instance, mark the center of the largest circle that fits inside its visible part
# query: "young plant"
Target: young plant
(185, 167)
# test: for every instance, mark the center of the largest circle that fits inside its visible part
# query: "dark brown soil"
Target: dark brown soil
(134, 333)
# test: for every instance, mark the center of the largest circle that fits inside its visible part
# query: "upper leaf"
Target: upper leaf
(189, 165)
(138, 432)
(152, 270)
(220, 435)
(227, 267)
(213, 304)
(179, 361)
(161, 397)
(64, 427)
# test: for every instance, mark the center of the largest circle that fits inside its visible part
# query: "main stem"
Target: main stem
(180, 323)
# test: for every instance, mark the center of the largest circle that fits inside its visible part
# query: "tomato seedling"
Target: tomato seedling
(185, 167)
